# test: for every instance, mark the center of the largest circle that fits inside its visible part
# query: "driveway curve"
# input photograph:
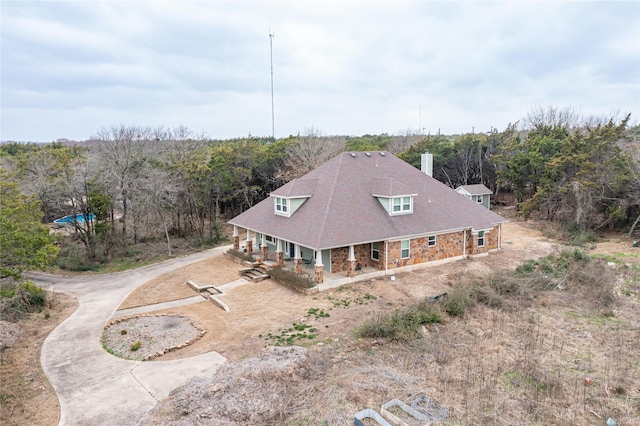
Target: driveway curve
(93, 386)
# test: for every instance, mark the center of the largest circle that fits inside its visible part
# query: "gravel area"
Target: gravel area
(9, 333)
(150, 336)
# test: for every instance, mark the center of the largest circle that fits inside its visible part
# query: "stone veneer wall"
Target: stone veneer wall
(447, 245)
(362, 253)
(490, 242)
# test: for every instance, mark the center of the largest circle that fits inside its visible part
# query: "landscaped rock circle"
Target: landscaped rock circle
(147, 337)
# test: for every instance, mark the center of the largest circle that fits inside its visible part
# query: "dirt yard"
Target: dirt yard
(489, 367)
(257, 309)
(261, 314)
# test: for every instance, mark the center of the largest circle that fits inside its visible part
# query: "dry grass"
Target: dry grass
(26, 396)
(519, 354)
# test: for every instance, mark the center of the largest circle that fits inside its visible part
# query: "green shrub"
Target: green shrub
(457, 302)
(135, 346)
(18, 299)
(400, 326)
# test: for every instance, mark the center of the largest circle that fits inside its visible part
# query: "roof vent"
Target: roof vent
(353, 154)
(368, 154)
(382, 153)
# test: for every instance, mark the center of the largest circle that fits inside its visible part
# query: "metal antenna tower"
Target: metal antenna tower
(273, 121)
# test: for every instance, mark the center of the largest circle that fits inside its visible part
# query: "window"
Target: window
(405, 249)
(375, 251)
(432, 241)
(479, 199)
(268, 238)
(282, 205)
(480, 238)
(401, 204)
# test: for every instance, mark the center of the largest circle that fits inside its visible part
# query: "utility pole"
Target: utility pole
(273, 120)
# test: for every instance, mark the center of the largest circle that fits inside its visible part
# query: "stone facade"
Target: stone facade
(447, 245)
(351, 272)
(362, 253)
(236, 242)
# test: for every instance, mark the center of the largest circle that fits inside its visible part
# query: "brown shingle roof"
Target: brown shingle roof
(477, 189)
(297, 188)
(343, 211)
(389, 187)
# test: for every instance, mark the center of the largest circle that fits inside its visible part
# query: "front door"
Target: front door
(292, 250)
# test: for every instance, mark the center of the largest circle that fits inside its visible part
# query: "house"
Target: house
(367, 210)
(478, 193)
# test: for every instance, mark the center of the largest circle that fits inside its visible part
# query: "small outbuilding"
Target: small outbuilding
(478, 193)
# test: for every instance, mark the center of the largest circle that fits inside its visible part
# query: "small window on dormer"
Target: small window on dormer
(282, 206)
(401, 205)
(479, 199)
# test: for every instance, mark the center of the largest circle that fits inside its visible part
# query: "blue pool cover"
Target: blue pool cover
(80, 218)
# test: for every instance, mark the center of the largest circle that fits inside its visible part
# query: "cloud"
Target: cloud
(69, 68)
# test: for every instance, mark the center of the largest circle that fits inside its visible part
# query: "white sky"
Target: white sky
(345, 67)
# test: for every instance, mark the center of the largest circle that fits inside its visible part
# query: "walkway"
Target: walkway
(93, 386)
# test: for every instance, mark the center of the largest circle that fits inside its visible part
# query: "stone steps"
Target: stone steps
(254, 274)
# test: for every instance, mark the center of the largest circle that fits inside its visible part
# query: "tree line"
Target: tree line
(143, 183)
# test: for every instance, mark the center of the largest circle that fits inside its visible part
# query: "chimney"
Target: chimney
(426, 163)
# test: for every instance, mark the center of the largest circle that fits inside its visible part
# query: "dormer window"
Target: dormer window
(282, 206)
(402, 205)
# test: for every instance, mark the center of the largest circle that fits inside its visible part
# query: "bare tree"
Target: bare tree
(156, 197)
(403, 140)
(553, 116)
(41, 177)
(125, 152)
(311, 150)
(75, 190)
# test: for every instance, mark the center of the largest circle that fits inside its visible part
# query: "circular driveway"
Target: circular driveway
(93, 386)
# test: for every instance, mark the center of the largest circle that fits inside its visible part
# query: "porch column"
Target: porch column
(297, 259)
(351, 267)
(249, 243)
(236, 238)
(264, 249)
(319, 267)
(279, 253)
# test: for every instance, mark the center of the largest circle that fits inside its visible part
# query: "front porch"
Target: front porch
(319, 265)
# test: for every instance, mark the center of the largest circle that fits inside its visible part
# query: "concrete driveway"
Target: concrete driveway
(93, 386)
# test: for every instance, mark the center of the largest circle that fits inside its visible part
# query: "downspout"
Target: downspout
(464, 244)
(386, 257)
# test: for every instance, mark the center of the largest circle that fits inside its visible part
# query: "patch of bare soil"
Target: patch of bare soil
(172, 286)
(526, 364)
(263, 308)
(26, 396)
